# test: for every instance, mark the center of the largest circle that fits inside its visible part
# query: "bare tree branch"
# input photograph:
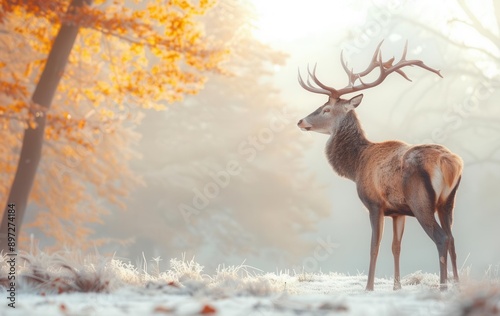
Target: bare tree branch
(478, 26)
(444, 37)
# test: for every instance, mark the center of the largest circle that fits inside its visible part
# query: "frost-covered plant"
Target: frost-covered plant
(243, 280)
(181, 270)
(419, 277)
(65, 272)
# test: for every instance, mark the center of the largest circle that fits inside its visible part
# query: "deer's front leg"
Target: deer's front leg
(398, 225)
(377, 222)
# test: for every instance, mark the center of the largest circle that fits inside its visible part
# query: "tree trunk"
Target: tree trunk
(31, 149)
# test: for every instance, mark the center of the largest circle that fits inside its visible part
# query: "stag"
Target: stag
(392, 178)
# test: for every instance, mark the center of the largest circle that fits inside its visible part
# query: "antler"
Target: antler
(385, 68)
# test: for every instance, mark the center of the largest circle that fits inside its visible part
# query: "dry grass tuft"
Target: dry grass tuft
(64, 273)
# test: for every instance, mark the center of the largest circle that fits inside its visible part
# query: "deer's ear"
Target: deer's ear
(354, 102)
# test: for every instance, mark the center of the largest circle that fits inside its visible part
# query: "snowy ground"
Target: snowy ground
(71, 285)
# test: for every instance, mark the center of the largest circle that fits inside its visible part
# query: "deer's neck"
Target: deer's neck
(346, 145)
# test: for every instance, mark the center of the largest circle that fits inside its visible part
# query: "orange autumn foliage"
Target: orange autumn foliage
(129, 55)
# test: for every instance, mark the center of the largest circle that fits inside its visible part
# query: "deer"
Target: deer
(393, 178)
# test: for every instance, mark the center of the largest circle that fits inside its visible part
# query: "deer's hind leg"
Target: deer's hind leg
(445, 213)
(421, 199)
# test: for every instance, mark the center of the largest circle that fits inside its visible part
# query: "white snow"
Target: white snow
(65, 284)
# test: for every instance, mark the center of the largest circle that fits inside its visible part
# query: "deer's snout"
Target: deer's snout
(304, 125)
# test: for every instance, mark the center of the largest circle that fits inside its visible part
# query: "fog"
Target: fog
(277, 199)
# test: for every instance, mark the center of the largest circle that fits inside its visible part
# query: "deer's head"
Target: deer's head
(328, 116)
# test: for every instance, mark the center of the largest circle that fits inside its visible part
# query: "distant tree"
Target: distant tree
(472, 71)
(459, 111)
(224, 173)
(464, 114)
(127, 56)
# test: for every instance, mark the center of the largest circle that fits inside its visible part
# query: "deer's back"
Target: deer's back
(385, 165)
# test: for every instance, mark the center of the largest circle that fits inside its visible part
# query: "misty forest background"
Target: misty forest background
(122, 164)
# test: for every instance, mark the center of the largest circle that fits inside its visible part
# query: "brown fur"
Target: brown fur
(393, 179)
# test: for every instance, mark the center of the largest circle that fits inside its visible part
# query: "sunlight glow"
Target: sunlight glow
(282, 20)
(287, 21)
